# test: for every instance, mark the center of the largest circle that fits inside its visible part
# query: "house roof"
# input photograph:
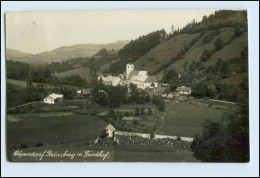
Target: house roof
(48, 97)
(55, 96)
(87, 91)
(133, 73)
(151, 79)
(138, 76)
(111, 128)
(183, 88)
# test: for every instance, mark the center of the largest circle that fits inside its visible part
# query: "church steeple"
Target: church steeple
(129, 69)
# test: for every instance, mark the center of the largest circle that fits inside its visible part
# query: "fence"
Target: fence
(149, 136)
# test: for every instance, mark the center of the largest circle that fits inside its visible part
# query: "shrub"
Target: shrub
(23, 146)
(39, 144)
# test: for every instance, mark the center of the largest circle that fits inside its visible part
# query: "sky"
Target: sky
(36, 32)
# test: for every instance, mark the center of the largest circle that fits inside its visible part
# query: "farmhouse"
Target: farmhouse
(52, 98)
(86, 92)
(140, 78)
(183, 90)
(110, 130)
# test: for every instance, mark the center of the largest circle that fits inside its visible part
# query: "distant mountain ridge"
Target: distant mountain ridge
(63, 53)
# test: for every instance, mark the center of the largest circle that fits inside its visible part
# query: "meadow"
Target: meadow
(51, 129)
(186, 120)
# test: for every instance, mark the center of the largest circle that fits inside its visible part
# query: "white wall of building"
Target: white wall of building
(49, 101)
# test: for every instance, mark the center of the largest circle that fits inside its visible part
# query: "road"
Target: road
(24, 105)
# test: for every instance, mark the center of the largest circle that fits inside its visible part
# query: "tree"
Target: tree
(29, 83)
(137, 111)
(205, 55)
(211, 90)
(225, 69)
(218, 44)
(173, 87)
(143, 111)
(159, 102)
(150, 111)
(226, 141)
(185, 65)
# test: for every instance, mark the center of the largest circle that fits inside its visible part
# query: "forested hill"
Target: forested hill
(63, 53)
(223, 34)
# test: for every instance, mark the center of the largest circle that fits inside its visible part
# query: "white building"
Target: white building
(110, 130)
(110, 80)
(52, 98)
(183, 90)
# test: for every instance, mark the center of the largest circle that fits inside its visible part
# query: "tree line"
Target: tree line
(41, 74)
(114, 96)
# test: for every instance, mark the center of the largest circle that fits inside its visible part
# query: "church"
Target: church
(140, 78)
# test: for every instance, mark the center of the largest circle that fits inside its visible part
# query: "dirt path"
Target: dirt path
(24, 105)
(221, 101)
(163, 117)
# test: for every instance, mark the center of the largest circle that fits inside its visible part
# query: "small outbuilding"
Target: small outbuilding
(110, 129)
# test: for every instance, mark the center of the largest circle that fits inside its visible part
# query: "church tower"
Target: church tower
(129, 69)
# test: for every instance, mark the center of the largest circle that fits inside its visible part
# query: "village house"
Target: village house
(53, 98)
(140, 78)
(183, 90)
(110, 80)
(168, 95)
(86, 92)
(110, 129)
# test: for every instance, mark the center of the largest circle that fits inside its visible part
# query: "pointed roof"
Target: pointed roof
(48, 97)
(111, 128)
(151, 79)
(183, 88)
(55, 96)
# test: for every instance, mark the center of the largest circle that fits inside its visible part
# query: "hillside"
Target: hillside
(229, 51)
(83, 72)
(63, 53)
(188, 44)
(15, 54)
(163, 53)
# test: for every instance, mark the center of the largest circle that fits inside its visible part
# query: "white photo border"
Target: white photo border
(140, 169)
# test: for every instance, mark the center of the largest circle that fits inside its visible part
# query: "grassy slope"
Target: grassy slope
(229, 51)
(164, 51)
(197, 49)
(83, 72)
(22, 84)
(235, 80)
